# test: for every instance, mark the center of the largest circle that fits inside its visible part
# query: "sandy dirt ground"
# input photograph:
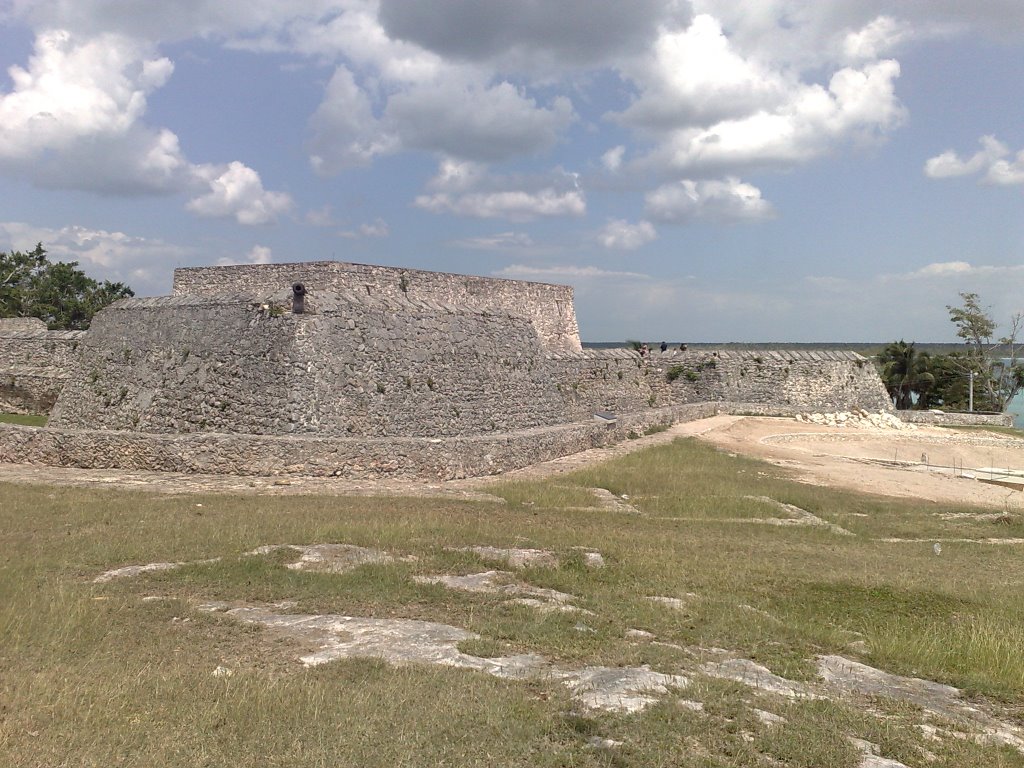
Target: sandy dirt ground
(927, 463)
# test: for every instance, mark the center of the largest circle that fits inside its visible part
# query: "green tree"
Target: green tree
(58, 293)
(17, 270)
(905, 373)
(995, 363)
(951, 389)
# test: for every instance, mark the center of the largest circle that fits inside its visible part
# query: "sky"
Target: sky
(698, 170)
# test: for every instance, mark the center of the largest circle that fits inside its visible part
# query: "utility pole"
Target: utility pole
(970, 396)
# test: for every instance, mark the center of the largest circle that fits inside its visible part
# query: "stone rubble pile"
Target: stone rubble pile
(859, 419)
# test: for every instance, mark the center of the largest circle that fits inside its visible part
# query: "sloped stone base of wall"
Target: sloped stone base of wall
(260, 455)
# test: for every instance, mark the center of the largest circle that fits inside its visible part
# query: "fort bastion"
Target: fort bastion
(380, 371)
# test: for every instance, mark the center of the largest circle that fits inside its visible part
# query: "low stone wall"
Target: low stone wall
(26, 391)
(424, 458)
(947, 419)
(21, 324)
(33, 364)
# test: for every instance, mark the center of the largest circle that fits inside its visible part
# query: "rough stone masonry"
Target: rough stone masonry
(387, 371)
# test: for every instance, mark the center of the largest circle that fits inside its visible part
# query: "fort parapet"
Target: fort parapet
(549, 307)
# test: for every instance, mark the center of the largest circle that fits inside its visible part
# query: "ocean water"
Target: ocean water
(1017, 409)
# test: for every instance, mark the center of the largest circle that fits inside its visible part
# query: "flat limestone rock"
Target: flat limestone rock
(795, 516)
(870, 757)
(499, 583)
(407, 641)
(547, 607)
(319, 558)
(756, 676)
(609, 501)
(513, 557)
(327, 558)
(674, 603)
(129, 571)
(850, 676)
(134, 570)
(621, 689)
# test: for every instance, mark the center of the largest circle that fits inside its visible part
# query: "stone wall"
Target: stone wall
(353, 366)
(440, 458)
(946, 419)
(365, 366)
(16, 324)
(788, 381)
(33, 364)
(388, 371)
(549, 307)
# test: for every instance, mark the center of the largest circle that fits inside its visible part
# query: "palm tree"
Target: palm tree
(905, 373)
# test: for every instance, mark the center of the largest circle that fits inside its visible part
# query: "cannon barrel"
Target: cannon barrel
(298, 298)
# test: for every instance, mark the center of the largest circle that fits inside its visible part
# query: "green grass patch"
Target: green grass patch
(93, 674)
(25, 420)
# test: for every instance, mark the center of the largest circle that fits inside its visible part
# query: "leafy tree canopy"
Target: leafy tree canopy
(993, 365)
(58, 293)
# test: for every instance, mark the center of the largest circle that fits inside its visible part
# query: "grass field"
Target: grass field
(95, 675)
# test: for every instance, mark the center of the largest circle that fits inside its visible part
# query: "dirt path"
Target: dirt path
(911, 464)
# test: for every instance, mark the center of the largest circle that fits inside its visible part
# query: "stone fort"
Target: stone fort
(329, 368)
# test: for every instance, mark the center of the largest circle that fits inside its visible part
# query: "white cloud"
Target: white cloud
(73, 90)
(997, 164)
(612, 159)
(236, 191)
(159, 20)
(725, 200)
(320, 217)
(376, 228)
(457, 175)
(456, 115)
(527, 272)
(514, 205)
(502, 241)
(619, 234)
(73, 117)
(567, 32)
(258, 254)
(345, 131)
(694, 76)
(858, 104)
(73, 120)
(349, 30)
(465, 189)
(471, 122)
(944, 268)
(876, 39)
